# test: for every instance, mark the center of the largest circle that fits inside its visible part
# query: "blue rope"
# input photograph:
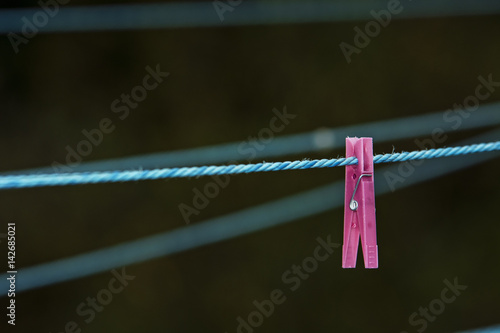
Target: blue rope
(491, 329)
(61, 179)
(319, 140)
(203, 14)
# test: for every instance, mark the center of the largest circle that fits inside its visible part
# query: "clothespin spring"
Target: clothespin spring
(353, 205)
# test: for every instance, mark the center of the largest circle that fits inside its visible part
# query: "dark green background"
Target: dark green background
(223, 85)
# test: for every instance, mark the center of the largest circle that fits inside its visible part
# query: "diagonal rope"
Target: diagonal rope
(490, 329)
(319, 140)
(23, 181)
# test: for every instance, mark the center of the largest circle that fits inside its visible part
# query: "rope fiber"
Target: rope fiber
(61, 179)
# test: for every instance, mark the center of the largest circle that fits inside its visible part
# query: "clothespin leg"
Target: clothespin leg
(369, 245)
(351, 243)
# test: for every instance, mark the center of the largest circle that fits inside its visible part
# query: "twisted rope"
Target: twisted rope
(61, 179)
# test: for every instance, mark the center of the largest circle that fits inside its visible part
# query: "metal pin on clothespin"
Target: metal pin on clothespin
(359, 209)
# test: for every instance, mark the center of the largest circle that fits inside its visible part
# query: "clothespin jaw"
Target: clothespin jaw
(359, 208)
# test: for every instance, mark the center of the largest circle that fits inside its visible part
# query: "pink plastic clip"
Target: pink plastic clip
(359, 209)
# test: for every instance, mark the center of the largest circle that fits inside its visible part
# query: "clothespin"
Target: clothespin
(359, 209)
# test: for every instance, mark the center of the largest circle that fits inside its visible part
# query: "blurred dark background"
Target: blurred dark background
(223, 85)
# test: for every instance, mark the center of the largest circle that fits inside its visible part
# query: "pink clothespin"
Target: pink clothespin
(359, 209)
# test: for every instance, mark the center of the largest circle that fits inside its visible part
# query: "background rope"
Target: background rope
(295, 144)
(203, 14)
(490, 329)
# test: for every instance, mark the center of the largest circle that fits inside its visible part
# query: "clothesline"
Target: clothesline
(62, 179)
(239, 223)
